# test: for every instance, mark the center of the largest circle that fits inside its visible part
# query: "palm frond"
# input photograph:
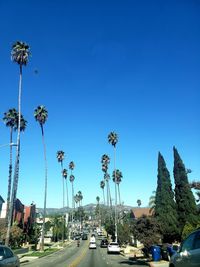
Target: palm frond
(41, 114)
(113, 138)
(20, 53)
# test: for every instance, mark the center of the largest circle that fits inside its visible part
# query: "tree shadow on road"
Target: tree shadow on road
(134, 262)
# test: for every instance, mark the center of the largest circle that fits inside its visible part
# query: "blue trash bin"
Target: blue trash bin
(156, 253)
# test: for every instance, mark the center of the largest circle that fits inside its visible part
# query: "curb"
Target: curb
(159, 264)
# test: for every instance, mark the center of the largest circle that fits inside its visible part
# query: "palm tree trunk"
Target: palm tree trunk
(107, 192)
(63, 185)
(67, 194)
(115, 195)
(103, 197)
(63, 231)
(9, 177)
(73, 206)
(16, 172)
(109, 196)
(119, 195)
(45, 190)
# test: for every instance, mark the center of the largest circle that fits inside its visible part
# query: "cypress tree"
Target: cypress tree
(185, 201)
(165, 207)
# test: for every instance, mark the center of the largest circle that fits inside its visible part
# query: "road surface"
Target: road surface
(73, 256)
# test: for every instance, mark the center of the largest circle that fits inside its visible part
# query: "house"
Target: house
(138, 212)
(24, 216)
(18, 215)
(29, 217)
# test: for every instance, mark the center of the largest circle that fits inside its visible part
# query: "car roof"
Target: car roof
(4, 246)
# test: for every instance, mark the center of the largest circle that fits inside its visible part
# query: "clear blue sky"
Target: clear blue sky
(132, 67)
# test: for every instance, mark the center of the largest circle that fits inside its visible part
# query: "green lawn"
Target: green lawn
(42, 254)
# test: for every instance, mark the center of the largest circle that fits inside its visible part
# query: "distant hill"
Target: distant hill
(88, 208)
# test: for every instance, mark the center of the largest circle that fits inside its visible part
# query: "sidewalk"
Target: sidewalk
(136, 257)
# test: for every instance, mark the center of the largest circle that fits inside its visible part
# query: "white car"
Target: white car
(92, 245)
(113, 247)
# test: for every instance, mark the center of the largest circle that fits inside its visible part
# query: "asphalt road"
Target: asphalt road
(99, 258)
(73, 256)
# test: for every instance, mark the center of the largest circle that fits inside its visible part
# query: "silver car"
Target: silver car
(189, 252)
(8, 258)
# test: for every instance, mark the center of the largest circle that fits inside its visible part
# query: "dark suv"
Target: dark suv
(84, 237)
(104, 243)
(189, 253)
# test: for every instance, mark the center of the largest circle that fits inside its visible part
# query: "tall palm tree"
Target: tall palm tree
(98, 199)
(71, 167)
(76, 199)
(60, 157)
(20, 54)
(105, 160)
(72, 178)
(102, 185)
(139, 202)
(41, 115)
(117, 178)
(152, 201)
(113, 139)
(107, 179)
(64, 173)
(11, 120)
(80, 197)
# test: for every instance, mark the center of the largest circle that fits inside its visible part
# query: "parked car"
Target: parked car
(104, 243)
(189, 253)
(113, 247)
(8, 258)
(92, 245)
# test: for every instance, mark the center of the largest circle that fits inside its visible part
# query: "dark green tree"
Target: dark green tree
(185, 201)
(146, 230)
(165, 207)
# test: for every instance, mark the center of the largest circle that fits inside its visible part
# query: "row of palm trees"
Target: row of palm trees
(60, 157)
(11, 120)
(116, 175)
(15, 121)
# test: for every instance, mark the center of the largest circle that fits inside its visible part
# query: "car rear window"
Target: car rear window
(114, 244)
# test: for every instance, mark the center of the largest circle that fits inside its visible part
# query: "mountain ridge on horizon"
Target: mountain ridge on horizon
(87, 207)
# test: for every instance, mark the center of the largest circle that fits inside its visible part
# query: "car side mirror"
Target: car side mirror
(1, 258)
(184, 253)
